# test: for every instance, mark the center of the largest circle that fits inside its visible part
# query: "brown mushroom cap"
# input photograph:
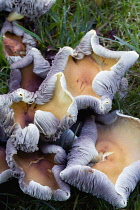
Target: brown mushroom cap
(93, 73)
(28, 67)
(50, 113)
(13, 45)
(38, 172)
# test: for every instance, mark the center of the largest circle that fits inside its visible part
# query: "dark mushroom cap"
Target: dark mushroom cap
(16, 42)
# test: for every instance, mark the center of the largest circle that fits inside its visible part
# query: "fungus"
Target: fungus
(113, 173)
(49, 106)
(93, 73)
(16, 42)
(21, 8)
(29, 72)
(38, 172)
(50, 115)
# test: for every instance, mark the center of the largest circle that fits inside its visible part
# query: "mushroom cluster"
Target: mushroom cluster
(40, 111)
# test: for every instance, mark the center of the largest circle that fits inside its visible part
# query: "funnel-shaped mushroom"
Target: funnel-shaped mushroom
(31, 9)
(52, 112)
(29, 67)
(115, 171)
(38, 172)
(93, 73)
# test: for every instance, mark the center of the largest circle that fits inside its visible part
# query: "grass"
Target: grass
(117, 22)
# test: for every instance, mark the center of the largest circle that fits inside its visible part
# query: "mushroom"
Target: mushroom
(28, 67)
(25, 134)
(93, 73)
(38, 172)
(49, 106)
(109, 166)
(49, 114)
(21, 8)
(16, 42)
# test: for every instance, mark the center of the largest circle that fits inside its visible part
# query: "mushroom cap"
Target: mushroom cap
(47, 111)
(53, 97)
(31, 9)
(93, 73)
(28, 67)
(38, 172)
(16, 42)
(113, 171)
(25, 138)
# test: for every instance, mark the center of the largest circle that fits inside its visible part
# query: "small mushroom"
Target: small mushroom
(28, 67)
(38, 172)
(16, 42)
(93, 73)
(113, 173)
(21, 8)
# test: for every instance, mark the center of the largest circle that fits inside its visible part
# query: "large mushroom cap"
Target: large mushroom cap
(113, 172)
(38, 172)
(93, 73)
(48, 111)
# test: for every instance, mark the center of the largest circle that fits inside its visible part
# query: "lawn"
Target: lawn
(117, 23)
